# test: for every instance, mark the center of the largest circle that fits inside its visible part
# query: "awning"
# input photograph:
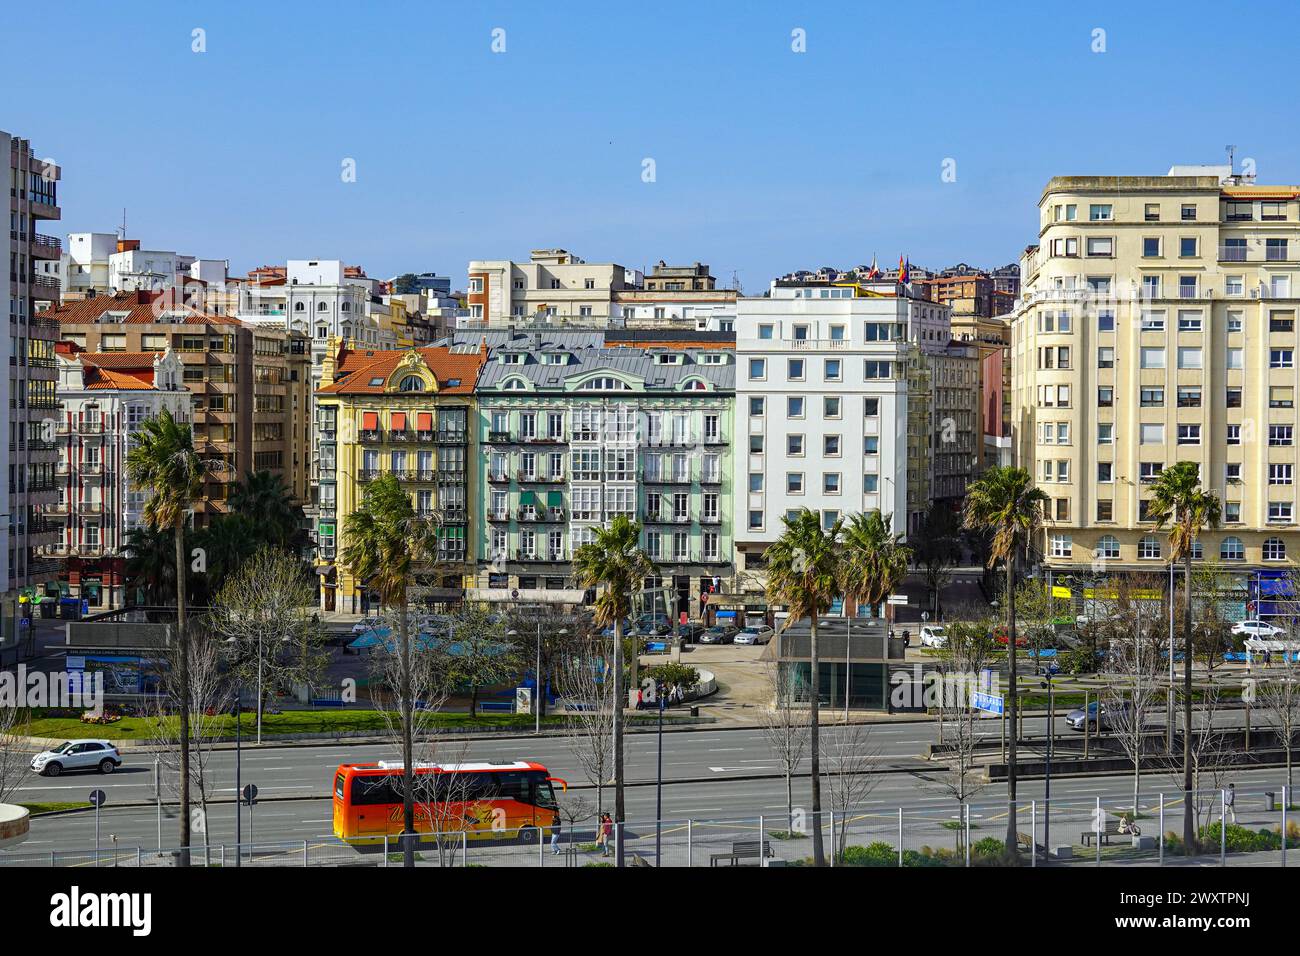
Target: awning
(424, 421)
(370, 421)
(528, 498)
(399, 421)
(555, 499)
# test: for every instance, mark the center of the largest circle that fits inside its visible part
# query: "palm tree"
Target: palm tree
(163, 462)
(151, 562)
(1004, 503)
(805, 571)
(614, 562)
(384, 544)
(264, 498)
(1177, 498)
(875, 559)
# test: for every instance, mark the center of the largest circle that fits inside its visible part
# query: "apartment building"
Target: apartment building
(576, 431)
(1157, 324)
(240, 378)
(406, 412)
(553, 286)
(677, 297)
(28, 379)
(103, 399)
(105, 263)
(822, 408)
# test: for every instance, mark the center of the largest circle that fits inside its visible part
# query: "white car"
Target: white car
(754, 634)
(78, 755)
(934, 635)
(1261, 629)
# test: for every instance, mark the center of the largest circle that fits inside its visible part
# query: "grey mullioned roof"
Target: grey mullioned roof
(586, 355)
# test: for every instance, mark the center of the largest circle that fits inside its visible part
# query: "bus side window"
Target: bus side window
(338, 786)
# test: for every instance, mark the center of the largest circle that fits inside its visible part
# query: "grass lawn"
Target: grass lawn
(52, 806)
(288, 722)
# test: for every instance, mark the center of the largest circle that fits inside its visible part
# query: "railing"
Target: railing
(1232, 253)
(45, 282)
(499, 437)
(49, 243)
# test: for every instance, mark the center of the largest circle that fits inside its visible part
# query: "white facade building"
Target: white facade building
(821, 413)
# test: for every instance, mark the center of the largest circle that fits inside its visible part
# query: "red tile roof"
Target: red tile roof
(358, 368)
(130, 370)
(141, 308)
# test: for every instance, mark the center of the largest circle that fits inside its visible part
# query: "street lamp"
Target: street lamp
(1047, 783)
(537, 674)
(659, 774)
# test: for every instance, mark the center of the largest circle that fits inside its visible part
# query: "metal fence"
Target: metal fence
(1059, 833)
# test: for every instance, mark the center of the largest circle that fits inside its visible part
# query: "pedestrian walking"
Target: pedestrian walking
(1230, 803)
(555, 840)
(603, 836)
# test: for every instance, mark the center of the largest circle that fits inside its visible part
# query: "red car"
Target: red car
(1000, 636)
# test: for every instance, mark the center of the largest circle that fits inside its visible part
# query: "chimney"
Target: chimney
(128, 245)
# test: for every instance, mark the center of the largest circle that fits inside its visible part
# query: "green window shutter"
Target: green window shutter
(528, 498)
(555, 499)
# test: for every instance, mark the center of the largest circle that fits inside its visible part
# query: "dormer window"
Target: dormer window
(604, 383)
(412, 383)
(514, 385)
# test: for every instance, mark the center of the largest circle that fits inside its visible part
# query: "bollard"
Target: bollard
(1033, 833)
(1286, 797)
(1097, 820)
(1223, 828)
(304, 853)
(762, 831)
(689, 846)
(1162, 830)
(966, 830)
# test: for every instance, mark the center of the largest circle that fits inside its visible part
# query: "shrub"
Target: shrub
(875, 854)
(1238, 839)
(671, 673)
(989, 846)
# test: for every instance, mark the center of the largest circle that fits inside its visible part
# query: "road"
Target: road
(708, 773)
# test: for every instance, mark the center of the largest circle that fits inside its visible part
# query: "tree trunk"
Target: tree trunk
(1189, 824)
(814, 744)
(619, 700)
(408, 743)
(1013, 703)
(473, 702)
(789, 799)
(183, 653)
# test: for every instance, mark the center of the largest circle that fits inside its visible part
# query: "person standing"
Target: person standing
(1230, 803)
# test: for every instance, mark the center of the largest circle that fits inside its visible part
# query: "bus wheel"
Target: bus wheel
(528, 834)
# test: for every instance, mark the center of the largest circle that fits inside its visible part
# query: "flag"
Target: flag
(904, 266)
(874, 271)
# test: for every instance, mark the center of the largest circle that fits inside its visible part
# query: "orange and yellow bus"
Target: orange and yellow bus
(514, 800)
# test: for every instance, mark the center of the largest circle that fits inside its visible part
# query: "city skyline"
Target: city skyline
(846, 175)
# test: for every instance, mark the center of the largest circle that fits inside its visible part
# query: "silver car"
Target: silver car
(78, 755)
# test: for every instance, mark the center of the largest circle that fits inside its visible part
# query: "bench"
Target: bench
(743, 850)
(327, 702)
(1109, 830)
(1023, 842)
(497, 706)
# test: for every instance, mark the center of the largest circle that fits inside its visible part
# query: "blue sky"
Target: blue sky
(766, 160)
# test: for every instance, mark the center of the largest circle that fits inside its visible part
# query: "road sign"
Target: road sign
(98, 798)
(896, 599)
(989, 703)
(249, 794)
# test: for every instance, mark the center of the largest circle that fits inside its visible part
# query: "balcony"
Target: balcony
(498, 477)
(90, 427)
(539, 556)
(400, 435)
(90, 507)
(498, 437)
(542, 439)
(449, 437)
(450, 478)
(370, 436)
(535, 478)
(540, 514)
(711, 479)
(46, 247)
(403, 474)
(677, 479)
(368, 474)
(90, 469)
(1232, 253)
(48, 283)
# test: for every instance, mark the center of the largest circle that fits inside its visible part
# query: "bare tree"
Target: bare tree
(13, 755)
(208, 698)
(1277, 694)
(968, 652)
(1132, 695)
(1212, 754)
(851, 758)
(589, 696)
(264, 613)
(785, 725)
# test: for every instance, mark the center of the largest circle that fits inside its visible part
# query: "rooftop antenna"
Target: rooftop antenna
(1232, 152)
(122, 228)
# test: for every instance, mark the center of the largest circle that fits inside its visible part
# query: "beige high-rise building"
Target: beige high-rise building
(1157, 324)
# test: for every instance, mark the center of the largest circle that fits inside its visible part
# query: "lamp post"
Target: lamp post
(659, 775)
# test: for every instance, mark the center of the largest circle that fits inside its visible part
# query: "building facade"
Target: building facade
(103, 398)
(1157, 324)
(553, 285)
(27, 483)
(576, 431)
(407, 413)
(821, 415)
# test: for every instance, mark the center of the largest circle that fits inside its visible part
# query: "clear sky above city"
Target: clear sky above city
(765, 159)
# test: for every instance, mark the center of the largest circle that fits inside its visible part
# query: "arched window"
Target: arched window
(300, 307)
(412, 383)
(1198, 550)
(694, 385)
(1274, 550)
(1108, 546)
(346, 307)
(321, 307)
(514, 385)
(1149, 548)
(604, 383)
(1231, 549)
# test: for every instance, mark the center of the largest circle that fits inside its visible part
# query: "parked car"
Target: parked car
(1261, 629)
(690, 631)
(77, 755)
(609, 631)
(1110, 714)
(719, 634)
(754, 634)
(934, 635)
(653, 624)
